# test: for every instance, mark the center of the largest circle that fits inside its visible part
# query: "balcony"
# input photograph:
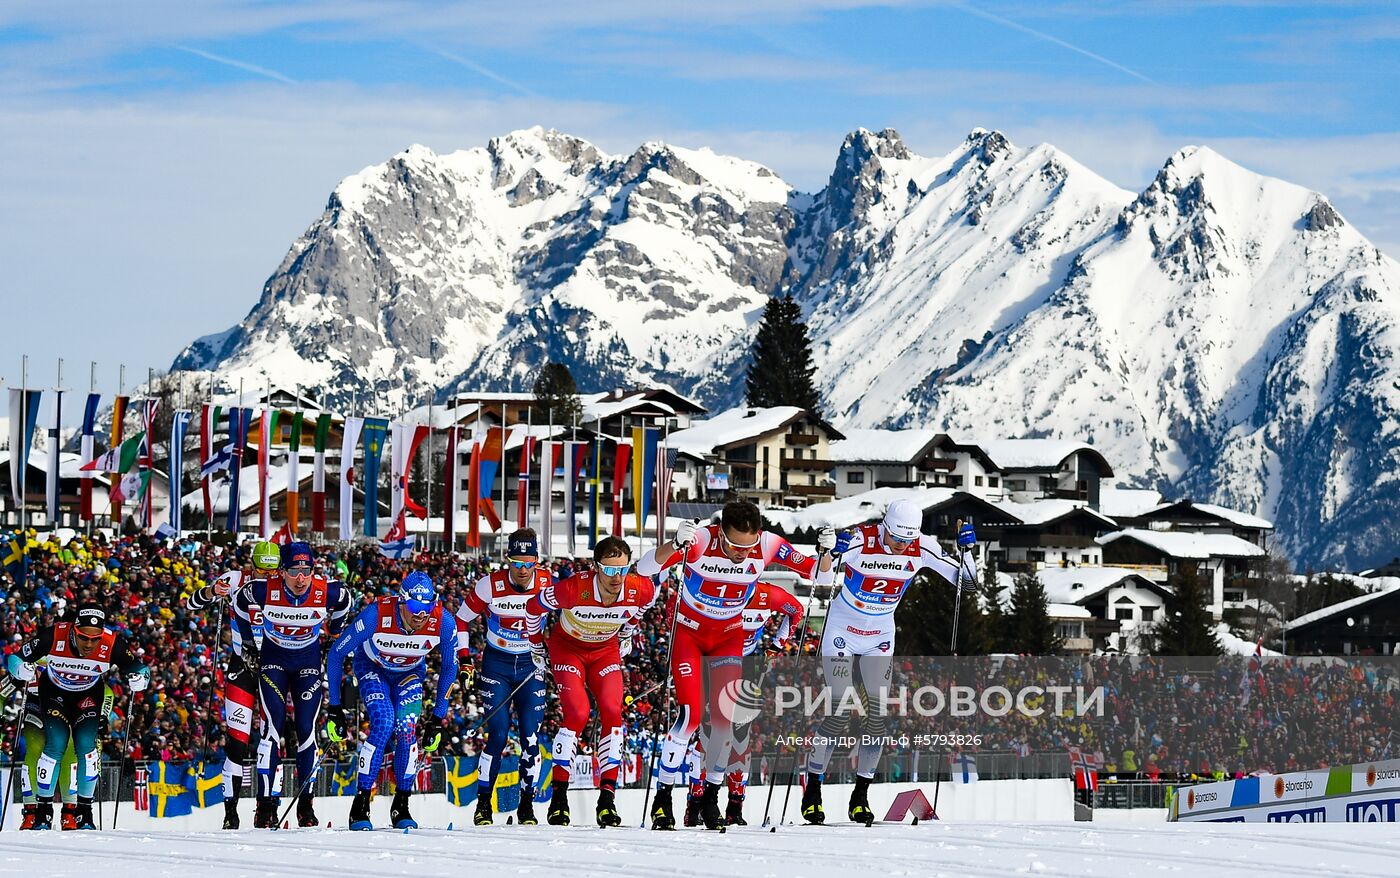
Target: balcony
(807, 439)
(1023, 539)
(1066, 494)
(806, 464)
(940, 463)
(811, 490)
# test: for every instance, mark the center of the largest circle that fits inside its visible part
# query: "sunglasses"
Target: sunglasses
(900, 540)
(87, 638)
(299, 570)
(613, 569)
(523, 565)
(751, 545)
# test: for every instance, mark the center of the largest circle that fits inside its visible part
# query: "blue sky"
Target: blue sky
(158, 158)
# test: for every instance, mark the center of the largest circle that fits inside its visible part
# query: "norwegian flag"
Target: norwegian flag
(1255, 669)
(665, 468)
(423, 781)
(140, 794)
(1086, 776)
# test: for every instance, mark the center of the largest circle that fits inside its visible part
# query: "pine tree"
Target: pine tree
(1031, 629)
(556, 395)
(781, 371)
(1187, 628)
(924, 619)
(991, 591)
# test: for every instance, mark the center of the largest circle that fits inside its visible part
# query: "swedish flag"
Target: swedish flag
(343, 780)
(505, 794)
(207, 784)
(169, 790)
(461, 779)
(16, 558)
(545, 760)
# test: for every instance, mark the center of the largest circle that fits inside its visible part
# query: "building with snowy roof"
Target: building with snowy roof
(1365, 625)
(1220, 559)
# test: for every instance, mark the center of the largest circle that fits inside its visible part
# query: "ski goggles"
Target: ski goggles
(418, 606)
(297, 570)
(613, 569)
(523, 565)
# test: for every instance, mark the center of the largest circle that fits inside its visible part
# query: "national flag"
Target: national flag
(118, 459)
(621, 456)
(318, 474)
(644, 445)
(548, 450)
(115, 441)
(164, 531)
(207, 420)
(51, 486)
(206, 782)
(294, 472)
(140, 790)
(1253, 670)
(449, 488)
(404, 440)
(283, 535)
(665, 469)
(492, 456)
(1086, 777)
(169, 790)
(474, 497)
(264, 460)
(16, 558)
(240, 420)
(220, 462)
(344, 779)
(348, 443)
(398, 543)
(179, 423)
(595, 485)
(85, 453)
(24, 415)
(146, 459)
(964, 768)
(570, 516)
(461, 779)
(376, 430)
(522, 490)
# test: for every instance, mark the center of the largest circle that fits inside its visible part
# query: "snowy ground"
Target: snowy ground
(930, 849)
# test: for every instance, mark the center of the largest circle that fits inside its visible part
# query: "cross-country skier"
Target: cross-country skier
(389, 643)
(506, 665)
(769, 599)
(240, 683)
(75, 656)
(722, 564)
(598, 614)
(297, 605)
(32, 740)
(858, 638)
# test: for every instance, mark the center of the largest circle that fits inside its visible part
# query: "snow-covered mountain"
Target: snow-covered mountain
(1221, 333)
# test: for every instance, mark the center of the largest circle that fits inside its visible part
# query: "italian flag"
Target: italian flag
(119, 459)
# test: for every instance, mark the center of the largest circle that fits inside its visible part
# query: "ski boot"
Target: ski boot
(231, 814)
(734, 811)
(484, 816)
(398, 812)
(82, 815)
(709, 807)
(812, 800)
(661, 816)
(306, 813)
(26, 822)
(525, 814)
(859, 808)
(359, 812)
(559, 804)
(43, 816)
(68, 817)
(693, 796)
(265, 816)
(607, 808)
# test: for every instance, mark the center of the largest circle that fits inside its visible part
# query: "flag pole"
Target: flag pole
(209, 425)
(501, 470)
(56, 450)
(23, 452)
(92, 388)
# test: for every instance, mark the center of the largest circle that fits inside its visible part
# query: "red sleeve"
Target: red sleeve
(646, 590)
(779, 551)
(783, 601)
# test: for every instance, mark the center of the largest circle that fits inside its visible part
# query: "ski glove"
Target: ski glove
(967, 537)
(228, 583)
(7, 687)
(685, 533)
(826, 539)
(139, 680)
(336, 724)
(251, 660)
(430, 728)
(540, 657)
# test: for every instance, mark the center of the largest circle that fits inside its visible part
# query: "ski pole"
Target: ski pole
(126, 749)
(11, 751)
